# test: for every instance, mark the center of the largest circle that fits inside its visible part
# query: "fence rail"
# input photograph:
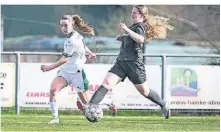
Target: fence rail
(162, 56)
(112, 54)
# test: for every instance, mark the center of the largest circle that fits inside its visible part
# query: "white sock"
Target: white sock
(54, 109)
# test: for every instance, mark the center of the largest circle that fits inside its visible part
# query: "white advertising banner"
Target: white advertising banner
(193, 87)
(35, 87)
(7, 84)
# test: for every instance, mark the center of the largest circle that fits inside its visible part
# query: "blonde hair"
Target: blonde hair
(79, 23)
(156, 26)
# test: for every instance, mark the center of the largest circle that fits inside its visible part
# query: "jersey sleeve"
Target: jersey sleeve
(140, 30)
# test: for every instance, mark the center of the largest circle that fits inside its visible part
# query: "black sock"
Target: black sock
(99, 95)
(154, 97)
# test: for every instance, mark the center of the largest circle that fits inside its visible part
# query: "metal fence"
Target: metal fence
(162, 56)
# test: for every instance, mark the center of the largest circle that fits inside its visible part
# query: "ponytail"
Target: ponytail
(79, 24)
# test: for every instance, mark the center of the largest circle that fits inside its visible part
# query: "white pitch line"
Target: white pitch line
(37, 122)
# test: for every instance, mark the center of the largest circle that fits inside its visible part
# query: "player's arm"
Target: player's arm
(87, 50)
(68, 52)
(137, 36)
(60, 62)
(91, 55)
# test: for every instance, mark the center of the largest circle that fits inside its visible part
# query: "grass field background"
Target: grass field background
(72, 122)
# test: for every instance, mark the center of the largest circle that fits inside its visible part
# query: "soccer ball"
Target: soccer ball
(93, 113)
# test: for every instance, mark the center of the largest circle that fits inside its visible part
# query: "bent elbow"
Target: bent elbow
(140, 41)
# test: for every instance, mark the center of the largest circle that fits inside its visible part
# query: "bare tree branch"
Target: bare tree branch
(206, 39)
(185, 21)
(192, 24)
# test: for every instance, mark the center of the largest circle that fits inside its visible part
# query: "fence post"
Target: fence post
(17, 84)
(163, 75)
(2, 37)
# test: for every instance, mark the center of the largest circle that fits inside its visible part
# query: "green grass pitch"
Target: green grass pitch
(29, 122)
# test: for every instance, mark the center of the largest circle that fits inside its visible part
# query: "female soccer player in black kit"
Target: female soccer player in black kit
(129, 62)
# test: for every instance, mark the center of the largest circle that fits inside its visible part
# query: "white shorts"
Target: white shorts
(78, 80)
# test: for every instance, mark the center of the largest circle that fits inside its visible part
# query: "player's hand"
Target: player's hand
(45, 68)
(123, 26)
(119, 37)
(91, 56)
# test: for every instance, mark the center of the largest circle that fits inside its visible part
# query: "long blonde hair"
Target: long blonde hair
(79, 24)
(156, 26)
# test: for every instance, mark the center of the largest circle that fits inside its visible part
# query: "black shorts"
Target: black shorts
(134, 70)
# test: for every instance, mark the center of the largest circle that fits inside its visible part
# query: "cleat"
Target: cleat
(112, 108)
(54, 121)
(80, 106)
(166, 112)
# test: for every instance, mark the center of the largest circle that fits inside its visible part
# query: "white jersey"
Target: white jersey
(75, 49)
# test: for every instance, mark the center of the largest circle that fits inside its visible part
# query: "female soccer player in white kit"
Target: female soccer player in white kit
(72, 62)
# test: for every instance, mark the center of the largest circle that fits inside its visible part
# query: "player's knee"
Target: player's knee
(54, 89)
(107, 83)
(143, 89)
(110, 81)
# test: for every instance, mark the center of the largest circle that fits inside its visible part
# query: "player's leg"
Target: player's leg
(113, 77)
(84, 95)
(85, 98)
(138, 77)
(154, 97)
(109, 82)
(80, 82)
(57, 84)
